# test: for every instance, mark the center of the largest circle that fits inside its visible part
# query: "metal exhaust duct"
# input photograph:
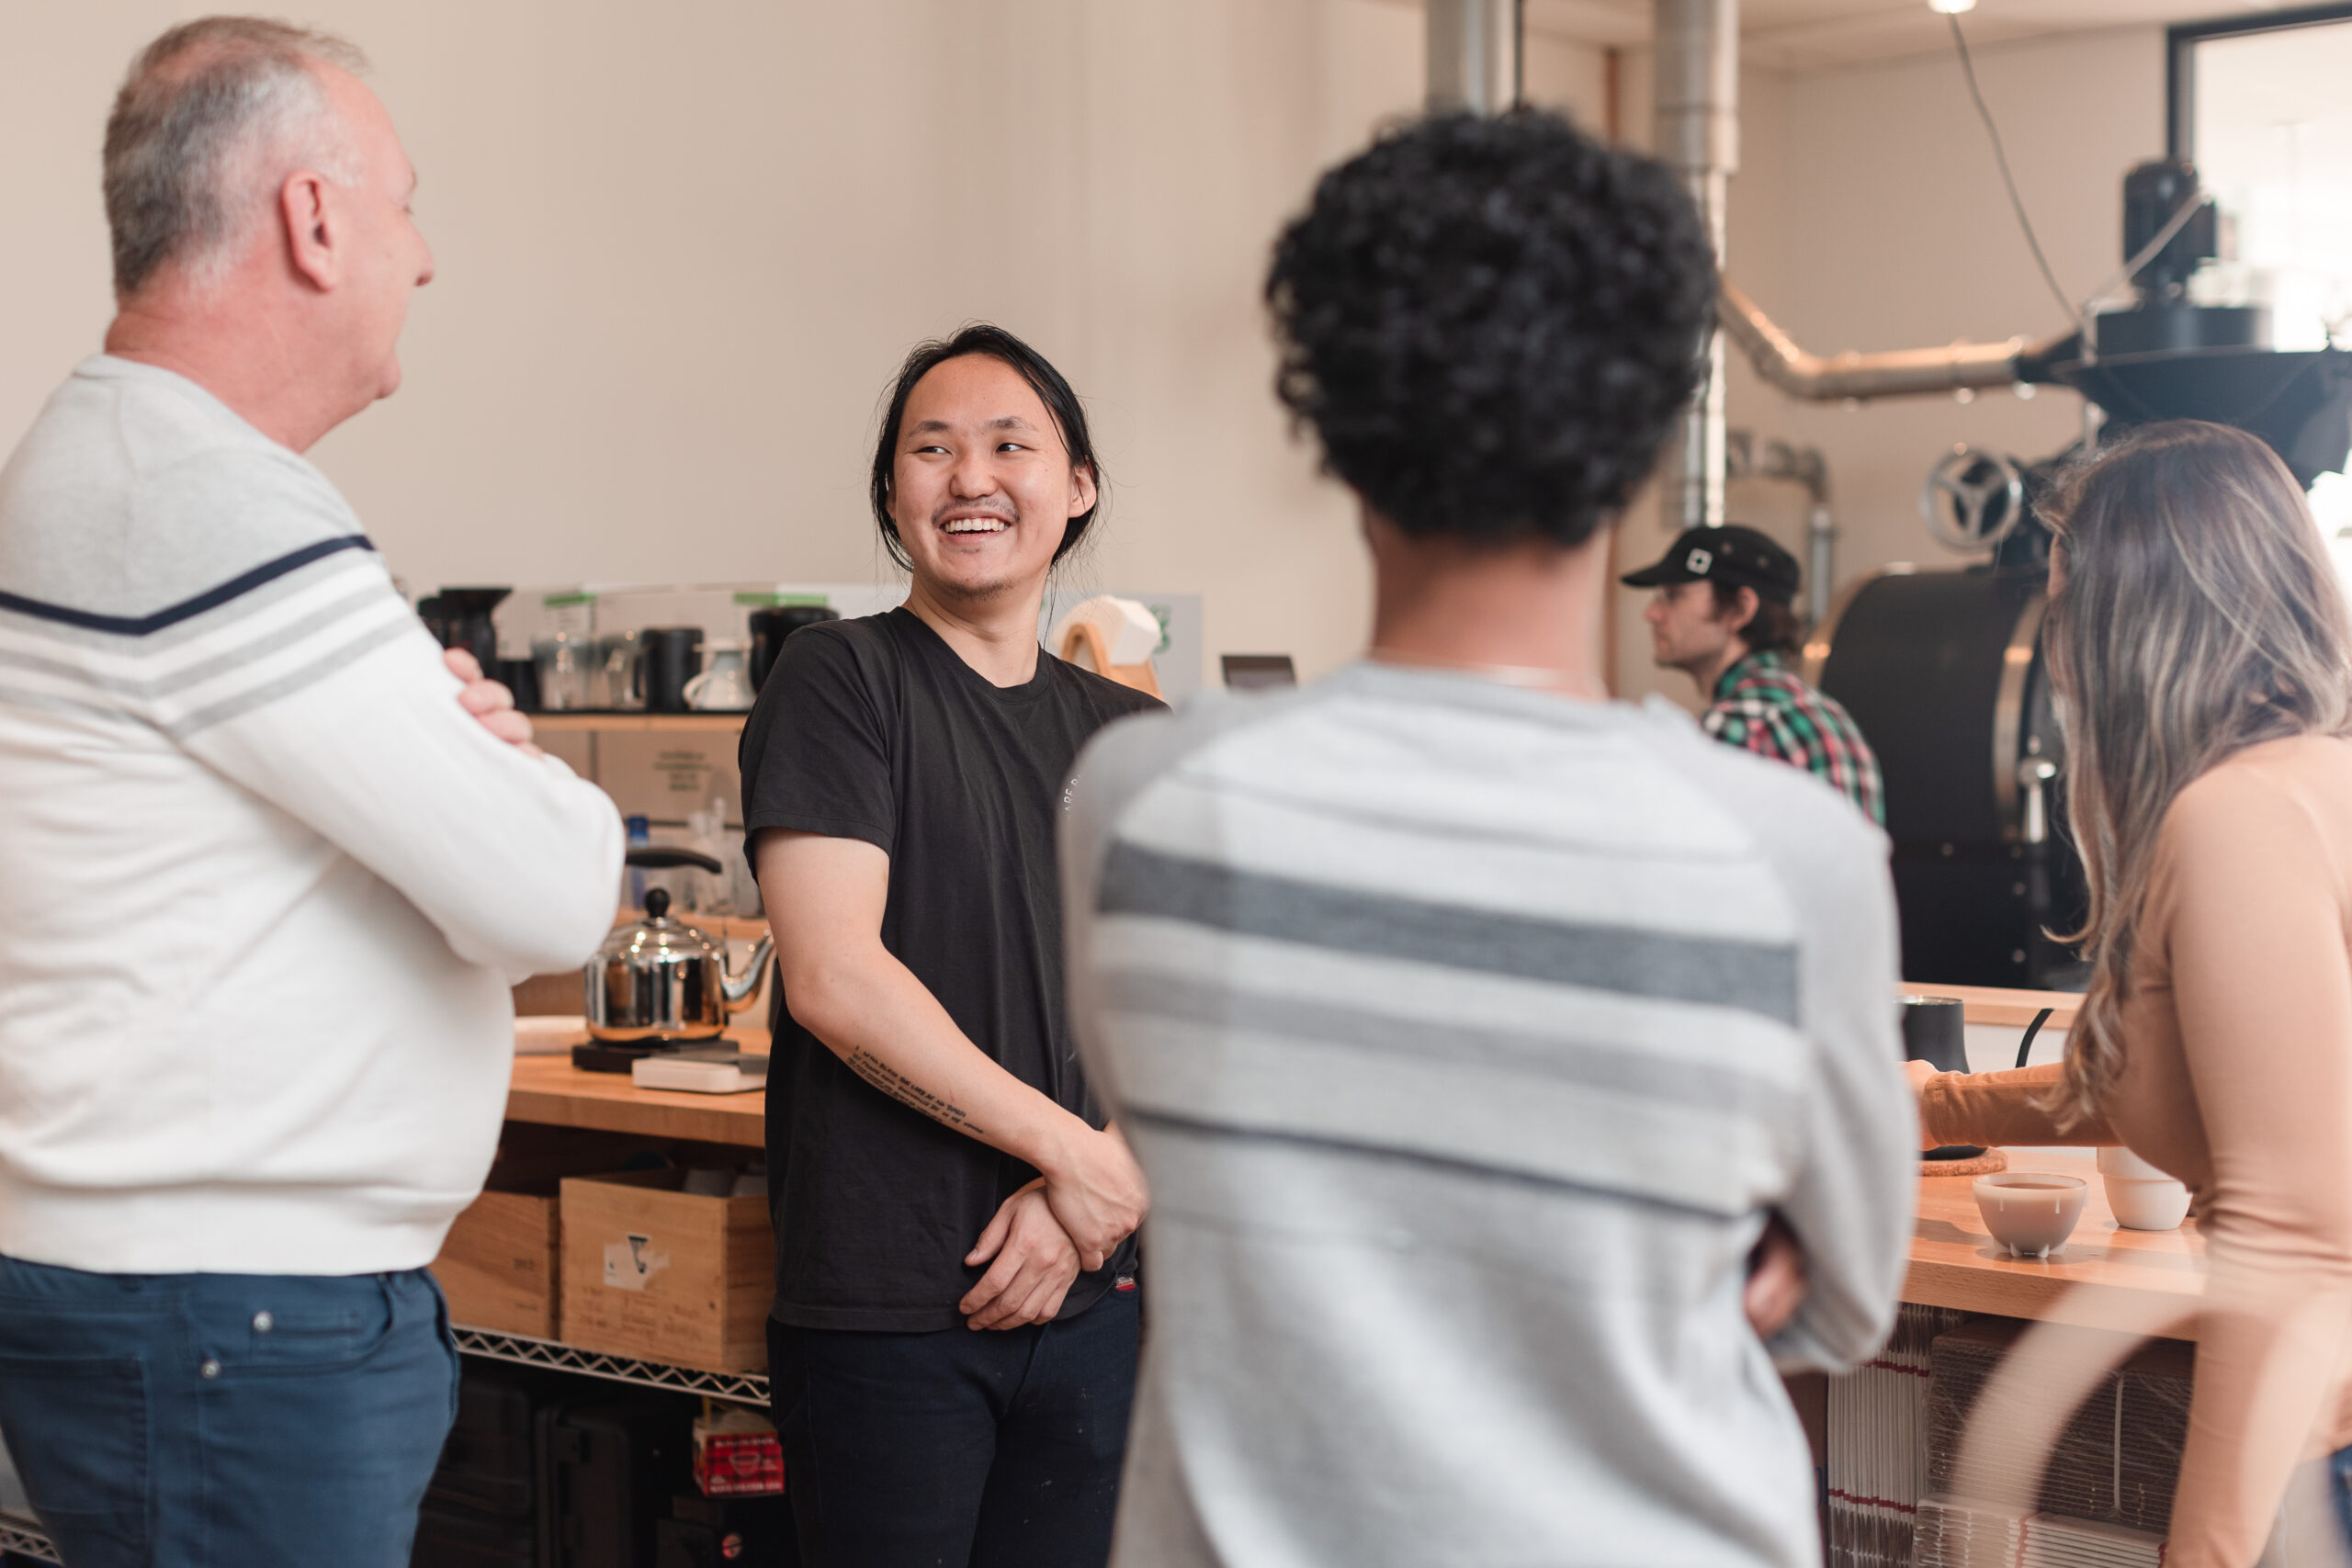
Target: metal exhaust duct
(1697, 53)
(1698, 137)
(1474, 54)
(1908, 372)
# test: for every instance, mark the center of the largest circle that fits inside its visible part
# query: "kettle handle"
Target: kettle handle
(664, 858)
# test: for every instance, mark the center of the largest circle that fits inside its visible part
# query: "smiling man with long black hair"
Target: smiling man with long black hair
(953, 1348)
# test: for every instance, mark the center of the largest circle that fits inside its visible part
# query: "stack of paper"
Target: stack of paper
(1953, 1533)
(713, 1070)
(1877, 1454)
(2117, 1456)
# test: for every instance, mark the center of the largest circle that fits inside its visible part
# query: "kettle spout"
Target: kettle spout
(738, 988)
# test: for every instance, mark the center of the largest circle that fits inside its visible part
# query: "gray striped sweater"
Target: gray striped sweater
(1467, 1037)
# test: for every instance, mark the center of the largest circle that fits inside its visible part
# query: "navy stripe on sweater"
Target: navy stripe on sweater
(211, 599)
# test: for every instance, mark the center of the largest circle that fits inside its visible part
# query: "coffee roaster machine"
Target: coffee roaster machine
(1943, 670)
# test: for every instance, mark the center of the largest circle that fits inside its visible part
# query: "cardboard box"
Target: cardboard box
(737, 1454)
(663, 775)
(501, 1266)
(664, 1275)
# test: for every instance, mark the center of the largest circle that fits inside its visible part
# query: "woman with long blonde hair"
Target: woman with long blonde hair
(2196, 642)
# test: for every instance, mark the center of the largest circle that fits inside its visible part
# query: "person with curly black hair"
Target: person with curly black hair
(1515, 1072)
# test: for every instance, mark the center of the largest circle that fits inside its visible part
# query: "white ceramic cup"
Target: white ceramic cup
(2142, 1197)
(724, 686)
(2032, 1212)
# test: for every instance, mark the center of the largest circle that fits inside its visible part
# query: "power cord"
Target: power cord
(2024, 1046)
(2001, 156)
(2130, 271)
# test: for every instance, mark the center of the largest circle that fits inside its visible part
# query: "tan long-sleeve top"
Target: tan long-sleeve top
(2238, 1080)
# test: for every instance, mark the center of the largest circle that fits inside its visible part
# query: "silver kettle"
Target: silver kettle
(663, 979)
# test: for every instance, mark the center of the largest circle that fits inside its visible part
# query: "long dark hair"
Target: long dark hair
(1069, 415)
(2198, 614)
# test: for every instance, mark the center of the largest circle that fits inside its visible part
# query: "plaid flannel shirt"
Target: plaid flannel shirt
(1762, 705)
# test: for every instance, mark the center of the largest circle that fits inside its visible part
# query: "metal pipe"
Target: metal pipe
(1799, 465)
(1821, 536)
(1474, 54)
(1908, 372)
(1697, 61)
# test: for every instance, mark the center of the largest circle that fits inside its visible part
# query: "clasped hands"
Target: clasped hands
(1032, 1246)
(1068, 1220)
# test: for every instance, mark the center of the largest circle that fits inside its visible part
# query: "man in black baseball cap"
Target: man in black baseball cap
(1725, 614)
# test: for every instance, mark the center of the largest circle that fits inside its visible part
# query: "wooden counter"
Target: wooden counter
(1954, 1262)
(551, 1091)
(2102, 1275)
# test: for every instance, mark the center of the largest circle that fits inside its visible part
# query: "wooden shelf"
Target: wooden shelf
(697, 723)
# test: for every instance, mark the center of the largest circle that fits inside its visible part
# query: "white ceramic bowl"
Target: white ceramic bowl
(2143, 1197)
(2147, 1205)
(2032, 1212)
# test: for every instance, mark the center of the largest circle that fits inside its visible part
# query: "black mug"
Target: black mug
(522, 678)
(1935, 1032)
(673, 657)
(771, 626)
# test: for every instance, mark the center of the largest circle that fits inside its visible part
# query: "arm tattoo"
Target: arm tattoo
(890, 1081)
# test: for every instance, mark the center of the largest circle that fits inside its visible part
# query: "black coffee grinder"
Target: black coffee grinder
(1935, 1031)
(459, 617)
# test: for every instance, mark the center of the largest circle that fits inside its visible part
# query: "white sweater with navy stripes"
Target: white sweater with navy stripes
(263, 883)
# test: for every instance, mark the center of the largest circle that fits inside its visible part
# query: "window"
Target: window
(2259, 104)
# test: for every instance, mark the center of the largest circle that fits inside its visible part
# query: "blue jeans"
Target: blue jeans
(225, 1420)
(999, 1449)
(2339, 1476)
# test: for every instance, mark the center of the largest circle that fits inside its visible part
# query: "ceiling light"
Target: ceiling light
(1951, 8)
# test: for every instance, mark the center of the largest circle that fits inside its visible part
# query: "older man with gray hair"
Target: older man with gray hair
(271, 862)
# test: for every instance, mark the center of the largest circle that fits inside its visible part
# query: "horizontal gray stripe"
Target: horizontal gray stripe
(39, 665)
(1751, 976)
(1617, 1069)
(50, 702)
(364, 595)
(309, 674)
(1188, 1126)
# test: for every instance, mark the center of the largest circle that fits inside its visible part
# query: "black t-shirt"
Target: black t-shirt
(876, 729)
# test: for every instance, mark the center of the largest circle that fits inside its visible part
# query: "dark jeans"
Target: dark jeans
(2339, 1476)
(225, 1420)
(958, 1448)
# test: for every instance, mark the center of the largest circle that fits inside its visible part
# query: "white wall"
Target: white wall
(681, 248)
